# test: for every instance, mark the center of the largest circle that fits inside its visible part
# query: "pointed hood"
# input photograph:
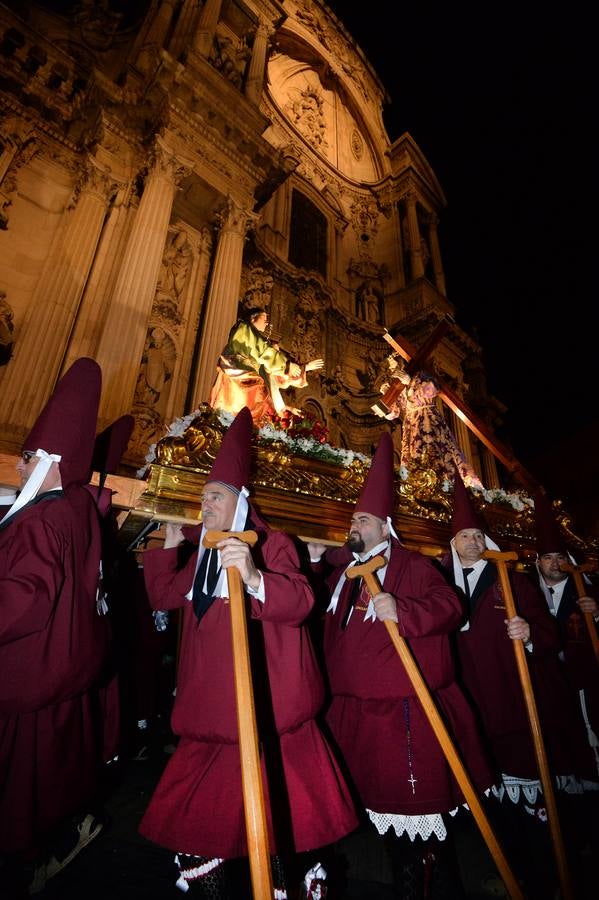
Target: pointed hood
(64, 432)
(233, 460)
(66, 427)
(549, 538)
(109, 448)
(376, 496)
(465, 515)
(110, 445)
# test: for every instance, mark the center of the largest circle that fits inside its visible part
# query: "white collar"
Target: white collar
(34, 482)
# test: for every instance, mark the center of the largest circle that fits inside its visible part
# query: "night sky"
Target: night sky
(501, 99)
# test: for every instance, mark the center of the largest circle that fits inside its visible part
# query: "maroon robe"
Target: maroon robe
(578, 658)
(384, 735)
(490, 674)
(52, 650)
(197, 807)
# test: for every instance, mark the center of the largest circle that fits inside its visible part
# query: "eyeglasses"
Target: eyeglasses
(27, 456)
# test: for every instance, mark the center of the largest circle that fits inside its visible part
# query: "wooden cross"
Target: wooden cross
(416, 360)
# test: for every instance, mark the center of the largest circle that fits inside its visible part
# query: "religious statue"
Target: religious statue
(252, 370)
(368, 305)
(175, 266)
(426, 439)
(156, 371)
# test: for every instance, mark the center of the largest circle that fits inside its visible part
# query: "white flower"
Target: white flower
(176, 428)
(516, 502)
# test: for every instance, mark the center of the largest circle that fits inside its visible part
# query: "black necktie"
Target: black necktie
(466, 573)
(551, 600)
(354, 593)
(203, 600)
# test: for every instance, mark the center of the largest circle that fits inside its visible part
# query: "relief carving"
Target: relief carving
(306, 112)
(231, 57)
(173, 277)
(258, 292)
(306, 337)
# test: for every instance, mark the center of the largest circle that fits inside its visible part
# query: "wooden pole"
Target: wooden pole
(576, 572)
(251, 773)
(367, 572)
(500, 560)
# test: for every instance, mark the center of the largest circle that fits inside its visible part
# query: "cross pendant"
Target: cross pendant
(412, 781)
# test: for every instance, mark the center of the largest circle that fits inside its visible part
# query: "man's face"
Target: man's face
(27, 464)
(470, 544)
(260, 322)
(549, 565)
(366, 531)
(218, 506)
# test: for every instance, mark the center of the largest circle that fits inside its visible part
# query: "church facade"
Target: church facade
(165, 164)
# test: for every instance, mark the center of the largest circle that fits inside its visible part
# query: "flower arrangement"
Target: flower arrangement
(296, 425)
(301, 435)
(517, 500)
(306, 437)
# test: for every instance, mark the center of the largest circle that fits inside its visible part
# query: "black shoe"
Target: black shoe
(81, 833)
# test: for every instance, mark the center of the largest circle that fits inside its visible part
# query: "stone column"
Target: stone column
(94, 308)
(462, 435)
(184, 28)
(433, 236)
(414, 232)
(255, 78)
(122, 342)
(33, 371)
(159, 27)
(223, 296)
(206, 27)
(490, 475)
(154, 38)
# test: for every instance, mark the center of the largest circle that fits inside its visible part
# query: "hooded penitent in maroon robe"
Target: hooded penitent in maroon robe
(384, 735)
(578, 659)
(52, 648)
(489, 672)
(197, 807)
(53, 643)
